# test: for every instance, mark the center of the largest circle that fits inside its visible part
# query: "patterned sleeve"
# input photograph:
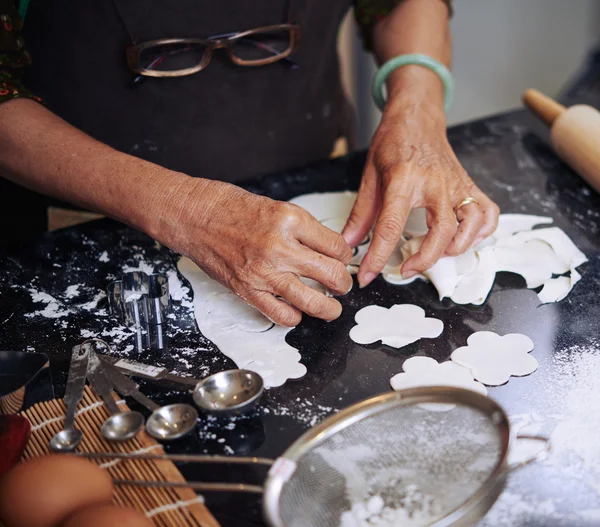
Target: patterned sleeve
(369, 12)
(13, 55)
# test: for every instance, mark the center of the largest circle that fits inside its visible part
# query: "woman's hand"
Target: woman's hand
(411, 164)
(259, 248)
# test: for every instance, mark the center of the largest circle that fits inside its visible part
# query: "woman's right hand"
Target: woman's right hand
(258, 248)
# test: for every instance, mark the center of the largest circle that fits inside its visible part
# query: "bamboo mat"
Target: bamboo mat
(179, 507)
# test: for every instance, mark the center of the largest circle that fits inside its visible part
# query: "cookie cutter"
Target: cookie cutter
(140, 299)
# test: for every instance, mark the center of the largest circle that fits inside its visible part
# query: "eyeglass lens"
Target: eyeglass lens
(172, 57)
(261, 45)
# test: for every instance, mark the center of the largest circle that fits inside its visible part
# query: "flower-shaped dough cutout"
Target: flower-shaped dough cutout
(398, 326)
(493, 359)
(425, 371)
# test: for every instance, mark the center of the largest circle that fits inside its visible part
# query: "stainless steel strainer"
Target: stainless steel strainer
(434, 457)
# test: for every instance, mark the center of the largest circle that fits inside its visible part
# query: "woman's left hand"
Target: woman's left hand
(410, 164)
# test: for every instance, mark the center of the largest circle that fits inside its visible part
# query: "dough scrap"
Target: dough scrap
(398, 326)
(539, 255)
(536, 255)
(493, 359)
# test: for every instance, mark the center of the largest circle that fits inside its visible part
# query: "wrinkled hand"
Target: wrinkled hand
(259, 248)
(411, 164)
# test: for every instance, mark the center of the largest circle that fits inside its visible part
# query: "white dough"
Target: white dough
(425, 371)
(563, 246)
(227, 310)
(536, 255)
(241, 332)
(325, 206)
(556, 289)
(398, 326)
(474, 287)
(493, 359)
(509, 224)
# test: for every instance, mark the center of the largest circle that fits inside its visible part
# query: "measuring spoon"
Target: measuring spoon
(166, 422)
(69, 437)
(120, 426)
(223, 393)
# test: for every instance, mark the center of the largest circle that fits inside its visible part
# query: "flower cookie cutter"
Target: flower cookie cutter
(139, 298)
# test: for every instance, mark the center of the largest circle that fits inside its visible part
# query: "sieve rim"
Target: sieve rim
(474, 507)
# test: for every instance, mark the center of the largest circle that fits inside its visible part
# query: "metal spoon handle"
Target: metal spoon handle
(100, 383)
(126, 387)
(144, 401)
(76, 381)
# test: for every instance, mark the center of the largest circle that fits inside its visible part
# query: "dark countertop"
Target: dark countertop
(507, 160)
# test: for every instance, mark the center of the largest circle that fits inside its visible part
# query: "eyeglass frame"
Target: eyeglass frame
(134, 51)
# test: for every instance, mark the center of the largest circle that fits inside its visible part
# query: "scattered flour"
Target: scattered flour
(104, 257)
(177, 290)
(574, 459)
(93, 304)
(52, 309)
(141, 266)
(72, 291)
(575, 444)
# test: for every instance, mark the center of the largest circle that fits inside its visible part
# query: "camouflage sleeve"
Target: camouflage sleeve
(13, 55)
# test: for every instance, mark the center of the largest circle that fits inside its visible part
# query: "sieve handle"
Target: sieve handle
(538, 456)
(195, 485)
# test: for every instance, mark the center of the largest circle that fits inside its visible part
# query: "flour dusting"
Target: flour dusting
(574, 421)
(52, 309)
(72, 291)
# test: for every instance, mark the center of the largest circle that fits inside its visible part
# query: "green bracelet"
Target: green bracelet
(421, 60)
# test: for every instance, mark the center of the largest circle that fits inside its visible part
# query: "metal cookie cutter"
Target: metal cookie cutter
(139, 298)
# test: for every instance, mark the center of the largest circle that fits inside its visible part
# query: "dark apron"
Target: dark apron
(226, 122)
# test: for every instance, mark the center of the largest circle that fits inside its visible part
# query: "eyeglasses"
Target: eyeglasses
(177, 57)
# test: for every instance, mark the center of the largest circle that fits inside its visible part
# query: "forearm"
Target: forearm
(41, 151)
(414, 26)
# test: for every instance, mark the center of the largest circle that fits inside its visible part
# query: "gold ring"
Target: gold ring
(467, 201)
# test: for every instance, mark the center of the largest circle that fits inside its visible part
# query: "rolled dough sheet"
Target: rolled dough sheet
(241, 332)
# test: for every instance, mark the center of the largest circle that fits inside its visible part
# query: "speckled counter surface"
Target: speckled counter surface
(509, 162)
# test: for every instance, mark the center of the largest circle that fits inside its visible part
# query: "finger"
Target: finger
(490, 212)
(274, 309)
(307, 299)
(470, 221)
(323, 240)
(331, 273)
(443, 229)
(365, 208)
(387, 232)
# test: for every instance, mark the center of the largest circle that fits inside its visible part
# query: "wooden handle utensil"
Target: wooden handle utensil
(574, 133)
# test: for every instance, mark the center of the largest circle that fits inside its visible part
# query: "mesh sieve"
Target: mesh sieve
(434, 457)
(395, 462)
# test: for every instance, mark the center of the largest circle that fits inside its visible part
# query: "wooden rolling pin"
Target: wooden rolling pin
(574, 133)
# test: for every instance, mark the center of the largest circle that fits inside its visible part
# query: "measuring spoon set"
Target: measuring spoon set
(226, 392)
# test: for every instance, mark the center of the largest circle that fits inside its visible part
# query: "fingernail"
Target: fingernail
(408, 274)
(366, 279)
